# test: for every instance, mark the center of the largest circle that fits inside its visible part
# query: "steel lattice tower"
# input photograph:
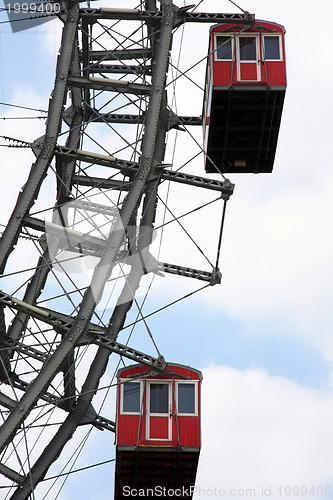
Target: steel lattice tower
(104, 145)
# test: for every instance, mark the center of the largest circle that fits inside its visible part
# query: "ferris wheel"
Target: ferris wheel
(109, 216)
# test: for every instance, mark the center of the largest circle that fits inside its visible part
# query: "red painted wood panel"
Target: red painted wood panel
(248, 72)
(225, 72)
(127, 429)
(187, 428)
(159, 427)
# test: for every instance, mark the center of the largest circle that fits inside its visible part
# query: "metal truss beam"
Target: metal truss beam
(211, 277)
(134, 119)
(99, 182)
(127, 69)
(126, 167)
(226, 188)
(62, 324)
(155, 16)
(109, 85)
(119, 55)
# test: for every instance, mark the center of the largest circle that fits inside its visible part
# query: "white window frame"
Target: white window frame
(232, 46)
(152, 415)
(280, 46)
(245, 61)
(123, 382)
(159, 382)
(195, 382)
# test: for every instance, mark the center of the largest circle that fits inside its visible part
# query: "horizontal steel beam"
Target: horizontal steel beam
(126, 351)
(134, 119)
(108, 84)
(225, 187)
(127, 167)
(135, 69)
(182, 16)
(210, 277)
(99, 182)
(119, 55)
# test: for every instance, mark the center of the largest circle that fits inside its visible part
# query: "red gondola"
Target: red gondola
(158, 430)
(244, 95)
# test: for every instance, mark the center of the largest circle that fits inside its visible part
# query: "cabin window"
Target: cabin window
(223, 48)
(186, 398)
(159, 398)
(131, 397)
(247, 48)
(272, 48)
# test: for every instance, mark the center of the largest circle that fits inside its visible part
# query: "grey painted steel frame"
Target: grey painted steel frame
(101, 274)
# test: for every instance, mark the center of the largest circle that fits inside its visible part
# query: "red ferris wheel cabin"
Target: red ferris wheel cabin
(158, 428)
(244, 95)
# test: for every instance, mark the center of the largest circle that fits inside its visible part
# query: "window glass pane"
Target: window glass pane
(223, 44)
(131, 401)
(186, 398)
(247, 48)
(159, 398)
(272, 47)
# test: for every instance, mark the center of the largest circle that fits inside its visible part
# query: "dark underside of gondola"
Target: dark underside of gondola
(155, 471)
(243, 129)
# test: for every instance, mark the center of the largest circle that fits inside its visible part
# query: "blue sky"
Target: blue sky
(263, 338)
(227, 341)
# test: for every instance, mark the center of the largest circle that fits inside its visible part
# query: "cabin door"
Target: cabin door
(159, 410)
(248, 58)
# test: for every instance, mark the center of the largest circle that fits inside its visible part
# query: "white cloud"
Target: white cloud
(261, 431)
(51, 37)
(276, 263)
(16, 162)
